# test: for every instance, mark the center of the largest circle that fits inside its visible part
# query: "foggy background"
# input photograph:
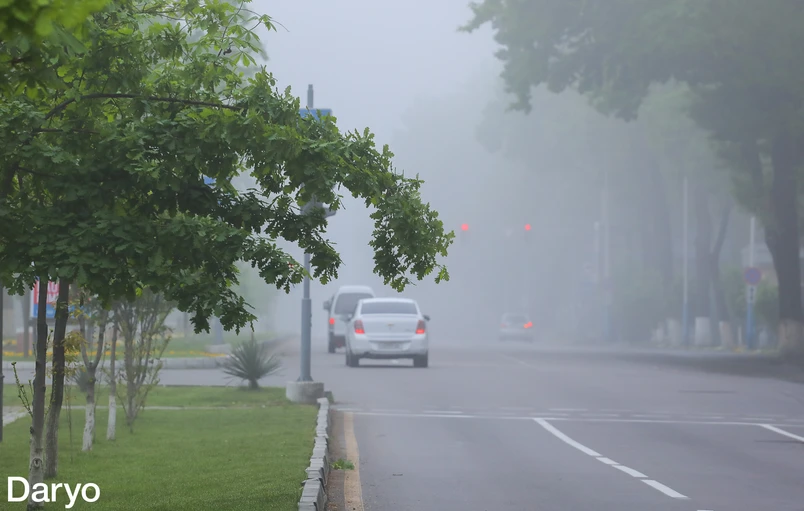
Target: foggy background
(434, 95)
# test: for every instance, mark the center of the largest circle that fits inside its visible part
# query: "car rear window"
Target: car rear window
(389, 308)
(347, 302)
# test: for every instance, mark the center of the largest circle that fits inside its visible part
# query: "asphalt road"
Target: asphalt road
(491, 427)
(534, 428)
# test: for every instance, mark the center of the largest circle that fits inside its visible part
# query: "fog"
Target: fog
(435, 96)
(396, 78)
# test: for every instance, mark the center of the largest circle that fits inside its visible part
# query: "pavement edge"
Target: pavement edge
(314, 496)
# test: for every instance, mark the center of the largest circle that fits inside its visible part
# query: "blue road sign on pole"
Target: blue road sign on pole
(752, 276)
(317, 113)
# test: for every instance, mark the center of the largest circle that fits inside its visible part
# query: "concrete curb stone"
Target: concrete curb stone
(314, 496)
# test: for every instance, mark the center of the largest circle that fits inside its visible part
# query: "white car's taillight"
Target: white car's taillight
(359, 327)
(420, 327)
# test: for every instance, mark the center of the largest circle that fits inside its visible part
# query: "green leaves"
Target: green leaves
(107, 155)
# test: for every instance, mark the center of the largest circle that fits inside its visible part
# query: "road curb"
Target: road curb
(314, 495)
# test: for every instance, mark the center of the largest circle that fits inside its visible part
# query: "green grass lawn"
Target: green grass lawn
(178, 347)
(249, 458)
(231, 397)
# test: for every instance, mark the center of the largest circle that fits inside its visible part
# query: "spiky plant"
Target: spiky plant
(250, 361)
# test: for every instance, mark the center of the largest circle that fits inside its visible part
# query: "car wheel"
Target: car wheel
(420, 361)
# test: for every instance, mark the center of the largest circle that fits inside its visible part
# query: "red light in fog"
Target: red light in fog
(528, 324)
(359, 327)
(420, 327)
(464, 227)
(331, 321)
(527, 227)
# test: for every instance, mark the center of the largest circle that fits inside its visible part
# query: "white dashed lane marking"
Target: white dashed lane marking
(627, 470)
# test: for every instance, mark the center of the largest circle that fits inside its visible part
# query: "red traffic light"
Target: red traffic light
(464, 227)
(527, 227)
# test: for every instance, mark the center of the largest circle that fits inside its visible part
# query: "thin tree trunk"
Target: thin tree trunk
(36, 473)
(112, 424)
(57, 387)
(92, 369)
(89, 415)
(26, 324)
(783, 240)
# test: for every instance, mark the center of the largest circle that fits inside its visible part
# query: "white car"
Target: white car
(338, 308)
(385, 329)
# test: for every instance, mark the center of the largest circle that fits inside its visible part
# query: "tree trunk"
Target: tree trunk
(783, 240)
(92, 369)
(36, 473)
(703, 246)
(89, 415)
(723, 314)
(663, 234)
(112, 424)
(57, 387)
(26, 324)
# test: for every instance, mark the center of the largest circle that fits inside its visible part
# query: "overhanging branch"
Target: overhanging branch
(189, 102)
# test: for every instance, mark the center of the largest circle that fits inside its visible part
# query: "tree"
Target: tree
(58, 375)
(102, 182)
(111, 425)
(34, 21)
(145, 338)
(739, 62)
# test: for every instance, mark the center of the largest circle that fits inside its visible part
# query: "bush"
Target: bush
(250, 361)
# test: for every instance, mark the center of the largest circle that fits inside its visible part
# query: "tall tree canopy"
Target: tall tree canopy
(740, 59)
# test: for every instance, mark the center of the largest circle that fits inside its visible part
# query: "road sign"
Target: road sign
(52, 296)
(316, 113)
(752, 294)
(752, 276)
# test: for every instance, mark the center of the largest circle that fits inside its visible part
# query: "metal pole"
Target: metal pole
(606, 257)
(307, 312)
(749, 311)
(685, 266)
(218, 331)
(306, 326)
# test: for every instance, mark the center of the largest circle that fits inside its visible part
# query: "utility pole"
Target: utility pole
(685, 264)
(606, 258)
(304, 389)
(306, 305)
(749, 311)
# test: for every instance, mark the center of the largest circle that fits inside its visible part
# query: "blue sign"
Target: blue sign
(752, 276)
(315, 112)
